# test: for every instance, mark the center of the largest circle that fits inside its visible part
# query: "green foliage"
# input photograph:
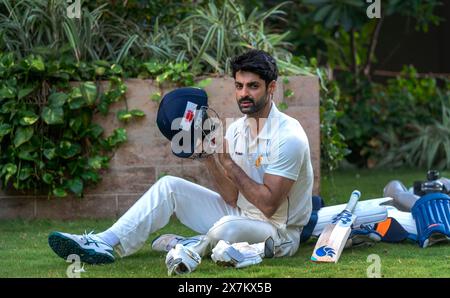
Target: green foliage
(385, 127)
(340, 35)
(48, 140)
(282, 106)
(333, 148)
(170, 42)
(331, 13)
(424, 145)
(322, 28)
(177, 73)
(42, 27)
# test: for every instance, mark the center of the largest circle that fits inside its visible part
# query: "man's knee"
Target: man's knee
(169, 182)
(229, 228)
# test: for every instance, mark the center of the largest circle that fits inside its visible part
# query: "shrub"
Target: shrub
(48, 140)
(383, 120)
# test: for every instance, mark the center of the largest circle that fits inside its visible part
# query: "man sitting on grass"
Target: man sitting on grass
(264, 181)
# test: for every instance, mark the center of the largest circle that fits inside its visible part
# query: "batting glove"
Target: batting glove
(181, 260)
(365, 235)
(238, 255)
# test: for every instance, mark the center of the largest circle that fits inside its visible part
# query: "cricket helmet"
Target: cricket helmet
(181, 118)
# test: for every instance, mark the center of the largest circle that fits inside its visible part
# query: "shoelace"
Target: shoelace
(89, 240)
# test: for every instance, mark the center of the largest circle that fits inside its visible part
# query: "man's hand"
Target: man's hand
(224, 157)
(225, 187)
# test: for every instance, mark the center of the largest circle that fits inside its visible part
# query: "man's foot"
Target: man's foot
(91, 248)
(168, 241)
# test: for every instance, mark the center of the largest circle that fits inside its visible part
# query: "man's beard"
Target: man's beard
(247, 105)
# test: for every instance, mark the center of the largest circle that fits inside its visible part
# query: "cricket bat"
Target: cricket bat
(332, 240)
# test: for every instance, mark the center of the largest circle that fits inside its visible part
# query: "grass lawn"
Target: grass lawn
(24, 251)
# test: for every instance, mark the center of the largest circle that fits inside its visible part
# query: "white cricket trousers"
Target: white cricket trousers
(200, 209)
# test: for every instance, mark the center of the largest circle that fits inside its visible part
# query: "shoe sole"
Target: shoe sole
(64, 247)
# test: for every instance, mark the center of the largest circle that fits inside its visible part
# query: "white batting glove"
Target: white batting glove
(182, 260)
(238, 255)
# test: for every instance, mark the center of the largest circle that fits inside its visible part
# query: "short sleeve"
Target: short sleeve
(287, 158)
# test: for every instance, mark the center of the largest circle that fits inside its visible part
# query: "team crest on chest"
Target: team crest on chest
(258, 161)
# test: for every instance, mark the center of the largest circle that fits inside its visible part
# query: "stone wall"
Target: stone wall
(146, 156)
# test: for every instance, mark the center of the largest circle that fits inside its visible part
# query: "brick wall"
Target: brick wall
(138, 163)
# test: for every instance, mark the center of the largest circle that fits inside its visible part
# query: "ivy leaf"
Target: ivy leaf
(137, 113)
(124, 115)
(75, 93)
(50, 153)
(37, 64)
(282, 106)
(67, 149)
(53, 115)
(75, 124)
(76, 103)
(96, 162)
(204, 83)
(28, 118)
(57, 99)
(89, 175)
(288, 93)
(24, 92)
(76, 185)
(5, 129)
(119, 136)
(59, 192)
(48, 178)
(89, 92)
(9, 169)
(27, 155)
(113, 96)
(25, 173)
(7, 92)
(8, 107)
(22, 135)
(103, 106)
(96, 130)
(100, 70)
(153, 67)
(156, 97)
(116, 69)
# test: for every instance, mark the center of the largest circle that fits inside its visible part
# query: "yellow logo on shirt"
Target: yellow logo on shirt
(258, 161)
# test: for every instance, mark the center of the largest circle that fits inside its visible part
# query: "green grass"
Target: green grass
(24, 251)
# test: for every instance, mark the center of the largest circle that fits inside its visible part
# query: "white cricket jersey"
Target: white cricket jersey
(281, 148)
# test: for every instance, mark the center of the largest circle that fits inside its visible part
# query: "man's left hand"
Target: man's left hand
(224, 157)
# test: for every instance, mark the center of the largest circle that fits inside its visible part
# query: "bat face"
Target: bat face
(332, 240)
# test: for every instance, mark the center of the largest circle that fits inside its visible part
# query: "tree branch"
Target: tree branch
(372, 47)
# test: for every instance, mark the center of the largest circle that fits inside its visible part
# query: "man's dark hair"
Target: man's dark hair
(258, 62)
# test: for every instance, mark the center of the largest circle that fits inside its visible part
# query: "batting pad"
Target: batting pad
(367, 212)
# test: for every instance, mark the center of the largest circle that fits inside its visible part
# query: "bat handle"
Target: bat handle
(356, 194)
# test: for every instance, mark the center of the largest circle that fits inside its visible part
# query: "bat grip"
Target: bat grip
(356, 194)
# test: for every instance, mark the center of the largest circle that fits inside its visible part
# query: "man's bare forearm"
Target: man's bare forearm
(257, 194)
(226, 188)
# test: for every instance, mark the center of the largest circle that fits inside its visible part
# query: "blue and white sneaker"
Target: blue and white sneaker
(166, 242)
(91, 248)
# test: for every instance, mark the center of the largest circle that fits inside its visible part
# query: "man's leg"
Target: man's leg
(240, 242)
(195, 206)
(236, 229)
